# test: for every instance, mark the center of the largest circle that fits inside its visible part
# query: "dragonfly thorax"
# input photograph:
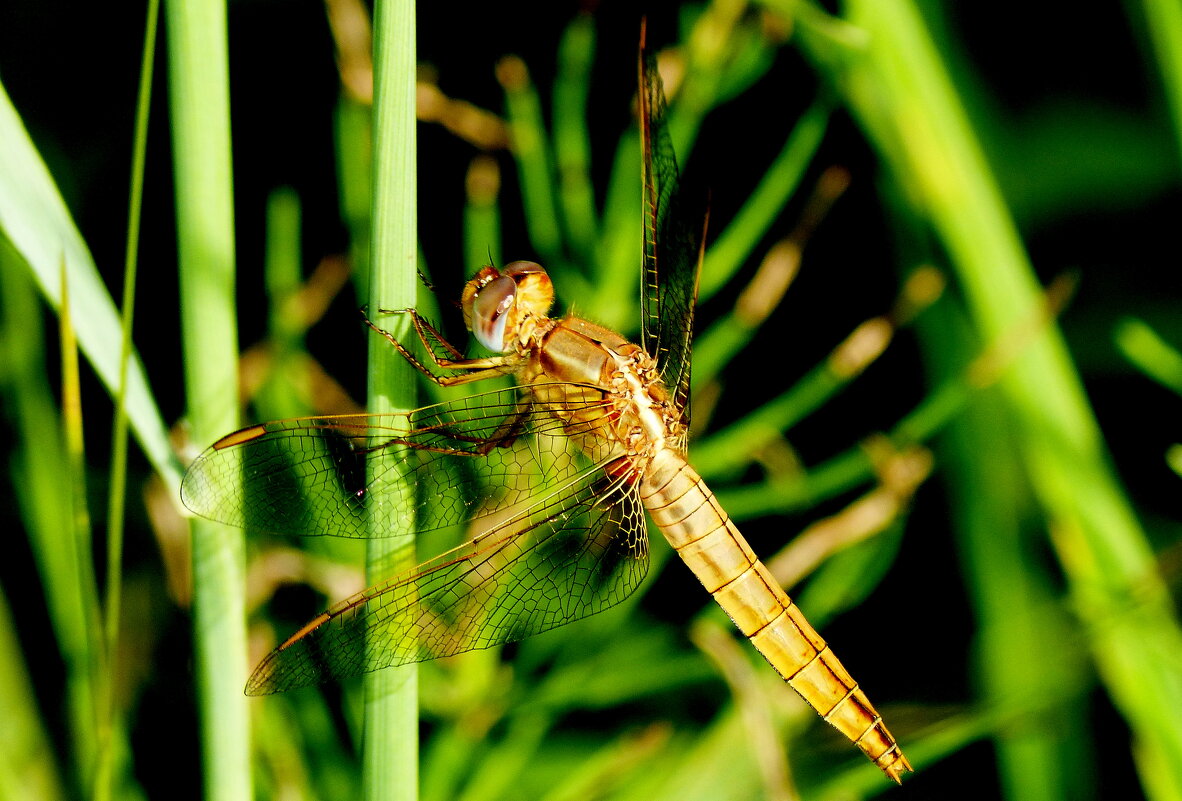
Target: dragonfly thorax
(649, 421)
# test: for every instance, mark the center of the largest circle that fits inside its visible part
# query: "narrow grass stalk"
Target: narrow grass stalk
(109, 717)
(199, 92)
(390, 739)
(904, 98)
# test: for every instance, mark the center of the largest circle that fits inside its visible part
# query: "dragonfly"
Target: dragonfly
(551, 478)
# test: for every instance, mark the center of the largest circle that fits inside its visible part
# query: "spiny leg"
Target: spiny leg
(425, 331)
(475, 369)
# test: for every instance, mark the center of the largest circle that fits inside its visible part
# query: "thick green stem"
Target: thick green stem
(391, 696)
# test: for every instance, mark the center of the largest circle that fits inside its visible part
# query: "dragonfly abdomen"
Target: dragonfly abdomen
(689, 516)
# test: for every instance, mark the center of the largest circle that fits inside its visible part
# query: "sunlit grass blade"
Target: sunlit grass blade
(390, 741)
(200, 123)
(37, 223)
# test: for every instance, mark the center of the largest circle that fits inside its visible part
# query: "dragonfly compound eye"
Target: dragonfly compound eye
(518, 269)
(490, 312)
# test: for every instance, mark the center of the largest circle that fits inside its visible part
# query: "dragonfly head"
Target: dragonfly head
(501, 306)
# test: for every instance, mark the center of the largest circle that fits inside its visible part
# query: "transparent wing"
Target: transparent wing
(672, 243)
(324, 475)
(559, 556)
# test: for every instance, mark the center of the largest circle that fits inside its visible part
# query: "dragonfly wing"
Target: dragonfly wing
(672, 247)
(324, 475)
(573, 550)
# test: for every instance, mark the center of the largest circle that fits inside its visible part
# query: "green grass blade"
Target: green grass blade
(1044, 757)
(1151, 354)
(285, 391)
(736, 243)
(572, 141)
(199, 92)
(38, 464)
(35, 220)
(390, 740)
(1164, 21)
(354, 151)
(482, 215)
(80, 534)
(531, 148)
(116, 492)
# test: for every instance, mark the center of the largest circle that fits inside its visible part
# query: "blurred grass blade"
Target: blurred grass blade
(482, 215)
(734, 447)
(199, 95)
(1045, 757)
(1164, 22)
(390, 741)
(498, 773)
(354, 151)
(531, 149)
(735, 244)
(28, 768)
(900, 91)
(616, 300)
(572, 140)
(285, 389)
(81, 537)
(37, 223)
(40, 462)
(1151, 354)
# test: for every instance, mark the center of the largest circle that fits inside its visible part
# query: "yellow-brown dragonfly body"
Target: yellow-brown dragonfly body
(594, 434)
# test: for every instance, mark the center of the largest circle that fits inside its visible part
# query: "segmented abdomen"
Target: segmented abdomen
(688, 514)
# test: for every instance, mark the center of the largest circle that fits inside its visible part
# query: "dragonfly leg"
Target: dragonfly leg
(426, 333)
(472, 369)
